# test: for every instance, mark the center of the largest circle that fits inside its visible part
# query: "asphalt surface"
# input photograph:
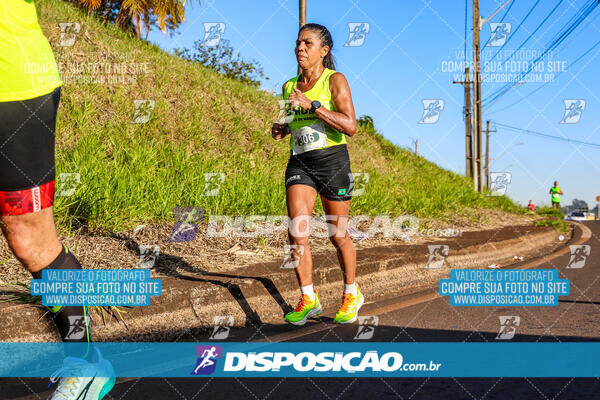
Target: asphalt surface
(421, 317)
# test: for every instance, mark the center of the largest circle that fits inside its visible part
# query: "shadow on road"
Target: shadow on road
(234, 289)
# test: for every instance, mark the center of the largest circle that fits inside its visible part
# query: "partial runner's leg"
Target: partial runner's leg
(300, 203)
(337, 213)
(27, 172)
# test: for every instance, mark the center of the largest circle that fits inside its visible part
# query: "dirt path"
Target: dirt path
(228, 254)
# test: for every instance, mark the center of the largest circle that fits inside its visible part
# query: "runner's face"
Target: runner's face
(309, 51)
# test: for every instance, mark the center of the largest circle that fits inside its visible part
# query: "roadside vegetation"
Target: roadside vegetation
(197, 122)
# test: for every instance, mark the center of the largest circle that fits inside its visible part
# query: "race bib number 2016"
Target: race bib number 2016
(310, 137)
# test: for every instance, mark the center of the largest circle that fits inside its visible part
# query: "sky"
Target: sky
(408, 56)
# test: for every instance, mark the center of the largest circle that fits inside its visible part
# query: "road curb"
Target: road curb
(264, 292)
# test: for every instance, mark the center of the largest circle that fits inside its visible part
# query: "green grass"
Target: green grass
(202, 123)
(556, 223)
(550, 211)
(554, 219)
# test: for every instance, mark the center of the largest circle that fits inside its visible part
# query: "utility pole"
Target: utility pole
(487, 153)
(468, 124)
(416, 143)
(477, 170)
(302, 14)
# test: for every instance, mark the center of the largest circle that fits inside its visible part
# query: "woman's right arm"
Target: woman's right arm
(279, 131)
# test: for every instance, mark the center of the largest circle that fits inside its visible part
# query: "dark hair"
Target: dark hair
(326, 40)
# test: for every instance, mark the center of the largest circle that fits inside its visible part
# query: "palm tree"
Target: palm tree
(135, 15)
(366, 121)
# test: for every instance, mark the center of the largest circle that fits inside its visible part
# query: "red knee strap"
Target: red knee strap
(26, 201)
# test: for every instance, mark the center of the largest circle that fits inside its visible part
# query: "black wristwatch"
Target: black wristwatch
(314, 105)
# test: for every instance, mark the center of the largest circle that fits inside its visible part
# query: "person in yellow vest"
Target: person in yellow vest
(320, 116)
(556, 192)
(30, 88)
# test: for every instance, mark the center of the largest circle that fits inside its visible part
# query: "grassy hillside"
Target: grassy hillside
(202, 123)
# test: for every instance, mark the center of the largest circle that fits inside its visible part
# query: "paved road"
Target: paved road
(420, 317)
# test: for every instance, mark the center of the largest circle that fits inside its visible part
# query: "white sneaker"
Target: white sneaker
(90, 381)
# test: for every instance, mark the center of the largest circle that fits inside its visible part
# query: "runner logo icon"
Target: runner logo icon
(432, 109)
(68, 33)
(212, 183)
(500, 32)
(212, 33)
(508, 327)
(221, 326)
(573, 110)
(579, 254)
(186, 223)
(366, 327)
(148, 255)
(499, 182)
(142, 111)
(207, 359)
(77, 324)
(437, 255)
(360, 178)
(67, 183)
(291, 259)
(358, 33)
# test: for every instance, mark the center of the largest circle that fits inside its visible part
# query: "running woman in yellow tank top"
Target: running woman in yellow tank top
(29, 98)
(320, 115)
(307, 121)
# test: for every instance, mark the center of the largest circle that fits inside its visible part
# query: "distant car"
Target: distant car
(576, 216)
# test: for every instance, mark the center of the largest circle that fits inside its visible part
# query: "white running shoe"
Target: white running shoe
(90, 381)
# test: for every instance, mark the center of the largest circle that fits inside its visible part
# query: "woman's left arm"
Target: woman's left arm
(344, 119)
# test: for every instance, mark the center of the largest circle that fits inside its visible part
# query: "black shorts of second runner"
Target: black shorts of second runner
(327, 170)
(27, 163)
(27, 141)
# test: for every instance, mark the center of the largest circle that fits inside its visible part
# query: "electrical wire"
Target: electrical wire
(535, 31)
(516, 30)
(544, 84)
(544, 135)
(501, 19)
(559, 38)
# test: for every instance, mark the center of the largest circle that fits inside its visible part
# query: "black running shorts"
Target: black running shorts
(327, 170)
(27, 137)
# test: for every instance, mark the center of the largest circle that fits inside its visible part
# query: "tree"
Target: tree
(221, 59)
(579, 205)
(137, 15)
(366, 121)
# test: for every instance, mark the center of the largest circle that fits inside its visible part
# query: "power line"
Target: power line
(485, 21)
(565, 32)
(555, 42)
(577, 15)
(535, 30)
(544, 84)
(545, 135)
(516, 30)
(501, 19)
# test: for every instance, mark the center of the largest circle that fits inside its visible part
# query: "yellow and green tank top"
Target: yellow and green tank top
(308, 132)
(27, 66)
(555, 194)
